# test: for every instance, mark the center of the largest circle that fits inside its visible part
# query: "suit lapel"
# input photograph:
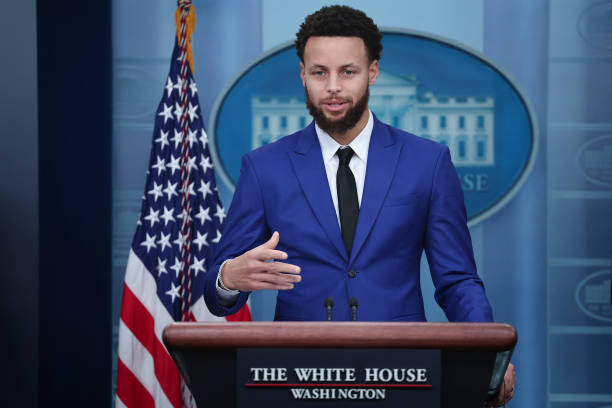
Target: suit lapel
(310, 170)
(382, 160)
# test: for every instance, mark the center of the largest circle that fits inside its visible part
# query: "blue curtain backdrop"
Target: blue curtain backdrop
(544, 256)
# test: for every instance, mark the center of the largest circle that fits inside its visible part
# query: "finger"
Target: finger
(272, 242)
(282, 267)
(276, 278)
(265, 254)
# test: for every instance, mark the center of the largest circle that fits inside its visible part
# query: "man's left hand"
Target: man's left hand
(506, 391)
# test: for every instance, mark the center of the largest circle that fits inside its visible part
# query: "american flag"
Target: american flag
(180, 223)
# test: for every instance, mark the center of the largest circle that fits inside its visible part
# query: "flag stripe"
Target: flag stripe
(140, 363)
(141, 323)
(130, 390)
(143, 286)
(202, 314)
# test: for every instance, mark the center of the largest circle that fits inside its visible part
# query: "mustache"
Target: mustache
(336, 99)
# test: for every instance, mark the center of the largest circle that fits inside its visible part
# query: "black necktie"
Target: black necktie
(348, 203)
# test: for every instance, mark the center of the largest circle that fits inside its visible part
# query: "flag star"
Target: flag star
(203, 215)
(170, 190)
(188, 189)
(191, 164)
(191, 137)
(178, 111)
(166, 113)
(180, 240)
(153, 216)
(156, 191)
(149, 242)
(220, 214)
(169, 87)
(177, 266)
(193, 88)
(174, 291)
(201, 240)
(163, 138)
(160, 165)
(174, 164)
(179, 84)
(192, 112)
(217, 238)
(204, 189)
(177, 139)
(198, 265)
(204, 138)
(183, 214)
(205, 163)
(161, 267)
(164, 241)
(168, 215)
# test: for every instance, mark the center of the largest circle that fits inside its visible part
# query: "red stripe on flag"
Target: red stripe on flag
(140, 322)
(243, 315)
(130, 391)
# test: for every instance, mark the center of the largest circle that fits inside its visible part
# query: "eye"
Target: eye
(318, 73)
(349, 72)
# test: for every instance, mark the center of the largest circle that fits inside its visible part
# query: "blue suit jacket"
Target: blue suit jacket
(412, 201)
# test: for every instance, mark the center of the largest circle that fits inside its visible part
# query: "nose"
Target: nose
(333, 84)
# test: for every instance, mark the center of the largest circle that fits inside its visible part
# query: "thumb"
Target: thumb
(273, 241)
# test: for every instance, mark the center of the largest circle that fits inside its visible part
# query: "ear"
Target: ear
(373, 72)
(302, 73)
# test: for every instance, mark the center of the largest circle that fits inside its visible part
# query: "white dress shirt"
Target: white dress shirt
(358, 163)
(360, 145)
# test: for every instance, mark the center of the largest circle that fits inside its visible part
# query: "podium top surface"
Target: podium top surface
(451, 336)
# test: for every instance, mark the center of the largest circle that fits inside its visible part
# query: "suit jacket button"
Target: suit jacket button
(352, 273)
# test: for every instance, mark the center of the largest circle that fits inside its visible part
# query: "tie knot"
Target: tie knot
(345, 155)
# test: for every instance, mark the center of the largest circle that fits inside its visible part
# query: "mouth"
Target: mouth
(335, 105)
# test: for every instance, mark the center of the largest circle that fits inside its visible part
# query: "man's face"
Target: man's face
(336, 75)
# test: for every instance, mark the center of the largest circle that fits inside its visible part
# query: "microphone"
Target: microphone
(353, 304)
(329, 304)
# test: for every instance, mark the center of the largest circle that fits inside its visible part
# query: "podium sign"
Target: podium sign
(364, 364)
(346, 377)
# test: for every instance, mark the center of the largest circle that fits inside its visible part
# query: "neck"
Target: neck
(348, 136)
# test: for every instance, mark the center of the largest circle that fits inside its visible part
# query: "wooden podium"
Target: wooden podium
(472, 356)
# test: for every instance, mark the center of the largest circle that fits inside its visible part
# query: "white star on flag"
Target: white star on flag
(203, 215)
(174, 291)
(200, 240)
(220, 213)
(167, 216)
(163, 138)
(149, 242)
(156, 191)
(153, 216)
(166, 113)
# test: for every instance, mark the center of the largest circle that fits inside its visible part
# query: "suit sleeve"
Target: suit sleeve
(448, 247)
(245, 228)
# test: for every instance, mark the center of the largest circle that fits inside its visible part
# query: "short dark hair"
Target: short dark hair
(340, 21)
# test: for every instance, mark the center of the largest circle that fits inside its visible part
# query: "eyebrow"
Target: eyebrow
(320, 66)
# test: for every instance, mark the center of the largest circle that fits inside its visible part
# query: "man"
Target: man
(349, 202)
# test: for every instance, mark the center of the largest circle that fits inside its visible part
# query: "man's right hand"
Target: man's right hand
(250, 271)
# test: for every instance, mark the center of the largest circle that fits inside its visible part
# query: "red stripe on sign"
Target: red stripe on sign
(130, 391)
(140, 322)
(243, 315)
(326, 385)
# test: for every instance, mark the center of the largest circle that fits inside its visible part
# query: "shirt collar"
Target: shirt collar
(360, 144)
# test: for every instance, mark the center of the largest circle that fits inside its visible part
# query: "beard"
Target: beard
(343, 124)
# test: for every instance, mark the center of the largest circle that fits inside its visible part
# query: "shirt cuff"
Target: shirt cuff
(226, 297)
